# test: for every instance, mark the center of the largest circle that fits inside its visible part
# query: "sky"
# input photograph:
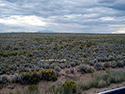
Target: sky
(65, 16)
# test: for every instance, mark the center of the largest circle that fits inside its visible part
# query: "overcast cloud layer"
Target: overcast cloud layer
(77, 16)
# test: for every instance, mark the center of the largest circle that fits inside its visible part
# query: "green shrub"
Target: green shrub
(116, 59)
(21, 44)
(13, 54)
(34, 78)
(54, 77)
(61, 47)
(90, 43)
(1, 54)
(7, 48)
(6, 69)
(120, 52)
(23, 48)
(117, 48)
(81, 46)
(109, 50)
(60, 42)
(55, 48)
(15, 48)
(30, 78)
(85, 55)
(22, 73)
(69, 87)
(24, 52)
(30, 55)
(48, 75)
(32, 87)
(5, 55)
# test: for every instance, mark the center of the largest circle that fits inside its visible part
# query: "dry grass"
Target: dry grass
(101, 83)
(98, 80)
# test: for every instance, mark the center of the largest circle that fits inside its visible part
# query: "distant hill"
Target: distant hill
(45, 31)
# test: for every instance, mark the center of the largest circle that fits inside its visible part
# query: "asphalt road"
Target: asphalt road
(114, 91)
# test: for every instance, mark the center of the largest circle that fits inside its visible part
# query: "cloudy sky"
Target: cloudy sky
(77, 16)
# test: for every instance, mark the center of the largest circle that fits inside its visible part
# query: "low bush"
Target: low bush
(56, 88)
(62, 65)
(107, 65)
(13, 54)
(48, 75)
(98, 66)
(72, 70)
(120, 63)
(3, 80)
(57, 68)
(84, 68)
(14, 79)
(29, 78)
(53, 65)
(1, 54)
(45, 65)
(15, 48)
(5, 55)
(113, 64)
(30, 55)
(34, 77)
(92, 62)
(69, 87)
(90, 43)
(72, 64)
(68, 65)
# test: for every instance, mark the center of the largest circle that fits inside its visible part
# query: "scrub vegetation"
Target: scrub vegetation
(62, 60)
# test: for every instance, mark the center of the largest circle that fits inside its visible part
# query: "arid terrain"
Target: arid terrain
(59, 63)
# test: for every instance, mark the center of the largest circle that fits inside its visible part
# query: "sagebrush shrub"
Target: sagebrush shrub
(69, 87)
(48, 75)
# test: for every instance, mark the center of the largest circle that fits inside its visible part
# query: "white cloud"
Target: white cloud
(2, 4)
(62, 15)
(23, 21)
(80, 15)
(113, 32)
(122, 30)
(107, 18)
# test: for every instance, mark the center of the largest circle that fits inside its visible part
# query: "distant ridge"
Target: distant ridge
(46, 31)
